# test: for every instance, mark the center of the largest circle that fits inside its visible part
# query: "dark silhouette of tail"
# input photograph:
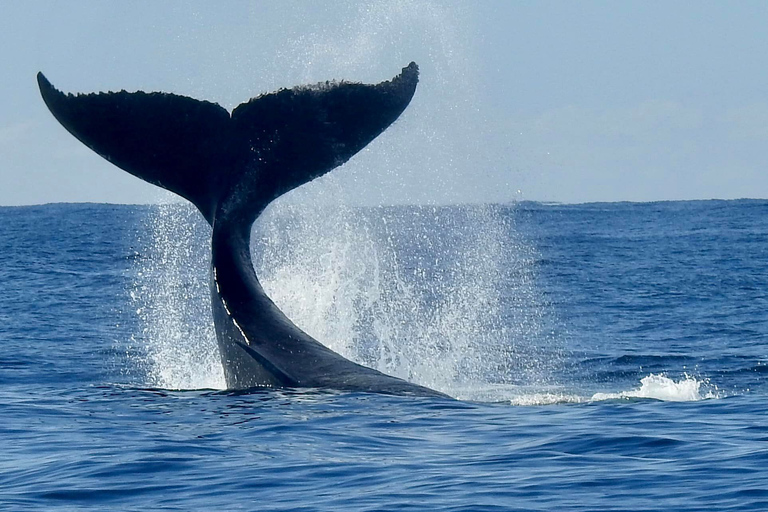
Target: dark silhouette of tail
(231, 167)
(239, 162)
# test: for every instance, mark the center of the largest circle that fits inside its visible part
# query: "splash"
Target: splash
(660, 387)
(441, 296)
(170, 296)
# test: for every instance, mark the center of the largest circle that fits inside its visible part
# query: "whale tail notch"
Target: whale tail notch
(233, 164)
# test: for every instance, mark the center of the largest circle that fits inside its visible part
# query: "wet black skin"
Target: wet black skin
(231, 167)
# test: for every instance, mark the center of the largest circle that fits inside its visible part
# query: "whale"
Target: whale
(231, 166)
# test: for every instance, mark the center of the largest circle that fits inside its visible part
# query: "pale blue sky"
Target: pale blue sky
(550, 101)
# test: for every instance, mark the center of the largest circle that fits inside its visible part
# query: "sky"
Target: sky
(546, 101)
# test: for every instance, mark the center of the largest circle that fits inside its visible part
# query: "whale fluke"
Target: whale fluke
(231, 166)
(268, 145)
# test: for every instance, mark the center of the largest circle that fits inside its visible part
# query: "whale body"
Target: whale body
(231, 166)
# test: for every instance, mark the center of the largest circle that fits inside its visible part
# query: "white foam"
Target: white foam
(518, 395)
(529, 400)
(654, 386)
(660, 387)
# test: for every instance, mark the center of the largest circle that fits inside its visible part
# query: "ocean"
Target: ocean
(606, 356)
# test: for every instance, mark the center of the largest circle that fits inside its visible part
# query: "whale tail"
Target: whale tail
(234, 164)
(231, 166)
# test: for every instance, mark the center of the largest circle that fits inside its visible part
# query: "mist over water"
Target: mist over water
(436, 151)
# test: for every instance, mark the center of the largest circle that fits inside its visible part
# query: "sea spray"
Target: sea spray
(441, 296)
(171, 296)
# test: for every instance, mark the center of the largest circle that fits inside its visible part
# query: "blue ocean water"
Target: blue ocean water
(605, 357)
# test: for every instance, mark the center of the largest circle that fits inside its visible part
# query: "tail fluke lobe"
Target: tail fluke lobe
(172, 141)
(296, 135)
(233, 165)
